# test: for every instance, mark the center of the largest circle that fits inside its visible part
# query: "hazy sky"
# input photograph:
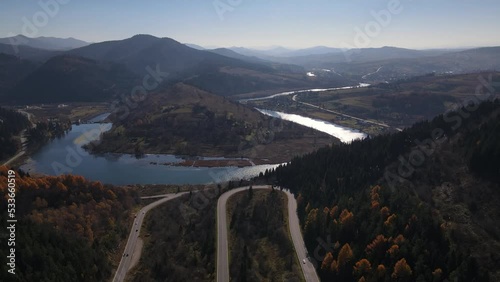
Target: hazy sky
(252, 23)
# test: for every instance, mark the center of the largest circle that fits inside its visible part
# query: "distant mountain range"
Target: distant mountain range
(409, 63)
(142, 51)
(389, 63)
(27, 52)
(194, 46)
(285, 52)
(47, 43)
(42, 62)
(99, 66)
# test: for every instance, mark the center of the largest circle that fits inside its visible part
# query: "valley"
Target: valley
(239, 141)
(388, 107)
(196, 123)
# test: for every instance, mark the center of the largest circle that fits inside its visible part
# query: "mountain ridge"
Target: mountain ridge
(42, 42)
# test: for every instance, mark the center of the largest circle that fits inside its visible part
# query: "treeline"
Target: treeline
(11, 124)
(68, 227)
(389, 231)
(383, 235)
(180, 241)
(261, 249)
(322, 176)
(483, 149)
(45, 131)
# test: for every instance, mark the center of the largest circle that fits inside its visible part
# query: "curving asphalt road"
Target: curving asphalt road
(293, 221)
(23, 138)
(128, 253)
(298, 242)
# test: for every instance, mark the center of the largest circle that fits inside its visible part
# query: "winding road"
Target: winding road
(129, 253)
(367, 75)
(23, 138)
(222, 237)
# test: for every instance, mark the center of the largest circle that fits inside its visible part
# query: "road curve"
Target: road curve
(24, 139)
(298, 242)
(128, 253)
(14, 158)
(293, 222)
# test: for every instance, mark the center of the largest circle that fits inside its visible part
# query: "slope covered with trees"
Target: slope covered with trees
(186, 120)
(260, 247)
(68, 78)
(68, 228)
(13, 70)
(11, 125)
(180, 241)
(417, 205)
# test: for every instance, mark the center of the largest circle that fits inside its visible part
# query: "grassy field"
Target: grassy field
(259, 245)
(72, 111)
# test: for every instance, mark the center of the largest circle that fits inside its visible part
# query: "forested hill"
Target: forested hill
(418, 205)
(68, 228)
(11, 125)
(68, 78)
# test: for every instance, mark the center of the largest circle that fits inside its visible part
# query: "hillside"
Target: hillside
(12, 71)
(141, 51)
(73, 79)
(221, 72)
(12, 124)
(28, 53)
(393, 206)
(90, 71)
(68, 229)
(185, 120)
(258, 236)
(400, 103)
(180, 242)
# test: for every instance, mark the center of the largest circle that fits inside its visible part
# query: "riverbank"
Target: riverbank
(218, 162)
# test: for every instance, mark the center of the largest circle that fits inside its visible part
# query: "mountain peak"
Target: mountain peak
(143, 35)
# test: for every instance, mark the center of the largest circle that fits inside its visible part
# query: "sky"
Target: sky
(417, 24)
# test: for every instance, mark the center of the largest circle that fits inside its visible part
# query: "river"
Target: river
(344, 134)
(65, 155)
(303, 91)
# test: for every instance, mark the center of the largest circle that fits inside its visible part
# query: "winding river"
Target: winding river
(65, 155)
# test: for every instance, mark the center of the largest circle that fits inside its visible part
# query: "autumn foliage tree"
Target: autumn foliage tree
(327, 261)
(377, 247)
(345, 255)
(94, 216)
(362, 267)
(401, 270)
(355, 178)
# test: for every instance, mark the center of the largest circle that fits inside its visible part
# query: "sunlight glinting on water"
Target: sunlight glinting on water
(345, 135)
